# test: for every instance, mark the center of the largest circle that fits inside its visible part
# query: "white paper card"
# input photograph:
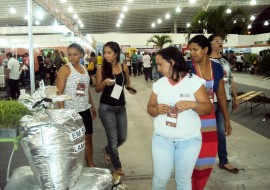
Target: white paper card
(117, 90)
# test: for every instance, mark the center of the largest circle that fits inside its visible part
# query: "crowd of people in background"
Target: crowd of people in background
(204, 105)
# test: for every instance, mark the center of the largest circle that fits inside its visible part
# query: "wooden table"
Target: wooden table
(244, 98)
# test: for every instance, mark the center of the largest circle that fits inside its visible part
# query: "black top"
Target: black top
(41, 59)
(106, 93)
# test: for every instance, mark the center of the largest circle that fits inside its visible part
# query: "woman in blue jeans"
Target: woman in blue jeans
(230, 89)
(111, 79)
(176, 102)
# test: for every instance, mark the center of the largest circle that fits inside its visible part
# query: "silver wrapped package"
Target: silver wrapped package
(90, 179)
(54, 146)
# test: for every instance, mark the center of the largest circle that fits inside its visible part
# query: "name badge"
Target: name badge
(80, 89)
(171, 119)
(117, 90)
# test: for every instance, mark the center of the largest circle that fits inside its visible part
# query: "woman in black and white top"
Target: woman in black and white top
(111, 79)
(73, 80)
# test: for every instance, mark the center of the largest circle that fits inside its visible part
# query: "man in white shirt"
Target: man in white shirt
(146, 59)
(239, 62)
(13, 74)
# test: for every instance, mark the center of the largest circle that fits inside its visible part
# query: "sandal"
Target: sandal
(233, 170)
(107, 158)
(119, 172)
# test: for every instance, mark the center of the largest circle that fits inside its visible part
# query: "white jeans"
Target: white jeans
(180, 155)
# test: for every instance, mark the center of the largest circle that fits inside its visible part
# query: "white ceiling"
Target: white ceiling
(100, 16)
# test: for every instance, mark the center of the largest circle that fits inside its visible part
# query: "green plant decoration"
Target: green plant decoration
(160, 40)
(251, 58)
(11, 112)
(217, 21)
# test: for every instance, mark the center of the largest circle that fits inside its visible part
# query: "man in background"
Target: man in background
(140, 63)
(13, 74)
(239, 62)
(42, 66)
(134, 61)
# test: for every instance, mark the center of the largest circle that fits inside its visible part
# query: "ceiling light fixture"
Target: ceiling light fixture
(119, 21)
(167, 16)
(253, 2)
(192, 1)
(252, 17)
(228, 11)
(122, 15)
(266, 23)
(26, 17)
(178, 9)
(130, 1)
(188, 25)
(37, 22)
(125, 9)
(12, 10)
(153, 25)
(75, 16)
(70, 9)
(117, 25)
(81, 25)
(249, 26)
(63, 1)
(234, 21)
(159, 21)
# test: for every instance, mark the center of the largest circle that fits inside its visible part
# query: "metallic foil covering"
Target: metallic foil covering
(54, 147)
(90, 179)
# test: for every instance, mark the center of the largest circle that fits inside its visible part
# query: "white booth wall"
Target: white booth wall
(55, 36)
(140, 39)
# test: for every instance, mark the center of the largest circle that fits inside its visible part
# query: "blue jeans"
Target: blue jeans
(180, 155)
(155, 75)
(222, 147)
(114, 120)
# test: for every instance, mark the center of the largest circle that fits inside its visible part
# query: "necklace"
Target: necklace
(201, 72)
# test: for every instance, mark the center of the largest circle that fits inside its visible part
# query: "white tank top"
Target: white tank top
(80, 103)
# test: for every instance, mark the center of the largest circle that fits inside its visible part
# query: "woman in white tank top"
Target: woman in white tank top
(73, 80)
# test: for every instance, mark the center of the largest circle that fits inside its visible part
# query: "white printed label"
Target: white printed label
(171, 120)
(78, 147)
(77, 134)
(117, 90)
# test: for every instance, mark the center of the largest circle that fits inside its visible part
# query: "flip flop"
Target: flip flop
(107, 158)
(233, 170)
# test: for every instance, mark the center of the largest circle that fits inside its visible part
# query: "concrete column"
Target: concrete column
(31, 46)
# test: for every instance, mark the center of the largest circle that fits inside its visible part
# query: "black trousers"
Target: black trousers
(135, 69)
(140, 68)
(14, 88)
(148, 73)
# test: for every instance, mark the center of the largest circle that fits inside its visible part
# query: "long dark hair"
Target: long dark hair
(106, 66)
(202, 41)
(180, 67)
